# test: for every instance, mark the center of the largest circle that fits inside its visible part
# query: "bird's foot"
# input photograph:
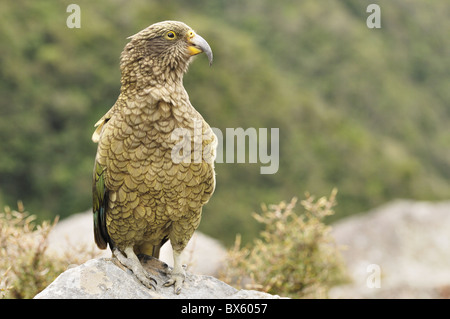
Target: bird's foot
(153, 265)
(132, 263)
(177, 280)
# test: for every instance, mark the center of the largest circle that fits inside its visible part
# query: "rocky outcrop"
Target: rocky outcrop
(102, 278)
(399, 250)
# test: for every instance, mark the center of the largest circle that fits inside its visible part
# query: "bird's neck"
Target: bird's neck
(139, 77)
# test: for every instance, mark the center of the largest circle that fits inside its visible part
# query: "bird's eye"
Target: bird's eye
(171, 35)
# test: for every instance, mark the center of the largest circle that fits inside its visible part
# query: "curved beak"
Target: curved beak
(199, 45)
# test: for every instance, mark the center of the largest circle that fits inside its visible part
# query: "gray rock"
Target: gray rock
(102, 278)
(405, 243)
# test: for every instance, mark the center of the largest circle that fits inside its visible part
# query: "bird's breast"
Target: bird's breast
(144, 141)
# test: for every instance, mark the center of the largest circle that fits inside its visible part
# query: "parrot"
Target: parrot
(154, 166)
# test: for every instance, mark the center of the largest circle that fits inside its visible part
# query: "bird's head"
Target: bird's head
(161, 53)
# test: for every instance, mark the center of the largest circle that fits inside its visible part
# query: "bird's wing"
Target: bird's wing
(100, 123)
(100, 203)
(99, 190)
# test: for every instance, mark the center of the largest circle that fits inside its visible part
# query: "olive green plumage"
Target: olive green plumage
(142, 196)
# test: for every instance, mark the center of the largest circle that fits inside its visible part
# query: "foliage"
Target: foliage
(23, 244)
(4, 284)
(25, 266)
(294, 255)
(363, 110)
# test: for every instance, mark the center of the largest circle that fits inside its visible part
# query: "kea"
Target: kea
(154, 167)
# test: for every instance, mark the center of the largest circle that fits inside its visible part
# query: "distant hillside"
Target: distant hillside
(364, 110)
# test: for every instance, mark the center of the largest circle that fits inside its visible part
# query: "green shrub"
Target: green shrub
(295, 255)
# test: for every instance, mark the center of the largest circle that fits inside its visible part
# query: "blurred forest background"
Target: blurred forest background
(364, 110)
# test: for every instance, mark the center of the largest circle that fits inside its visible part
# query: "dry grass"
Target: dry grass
(25, 267)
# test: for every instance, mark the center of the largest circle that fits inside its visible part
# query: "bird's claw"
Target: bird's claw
(135, 266)
(177, 280)
(145, 279)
